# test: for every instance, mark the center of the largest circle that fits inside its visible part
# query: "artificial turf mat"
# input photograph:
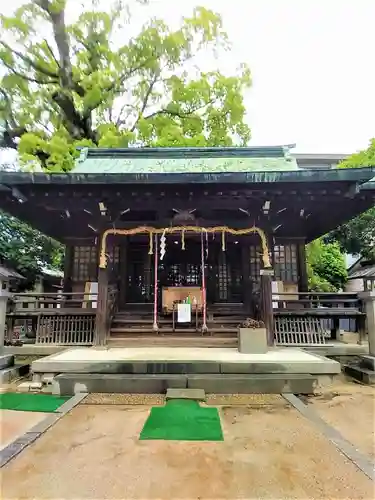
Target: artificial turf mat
(30, 402)
(183, 420)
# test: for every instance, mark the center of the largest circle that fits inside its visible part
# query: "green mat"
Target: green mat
(30, 402)
(183, 420)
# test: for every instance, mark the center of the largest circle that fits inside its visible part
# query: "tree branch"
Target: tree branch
(61, 38)
(8, 101)
(29, 61)
(177, 113)
(28, 78)
(52, 53)
(145, 100)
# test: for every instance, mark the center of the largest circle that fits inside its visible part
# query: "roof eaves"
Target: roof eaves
(359, 175)
(180, 153)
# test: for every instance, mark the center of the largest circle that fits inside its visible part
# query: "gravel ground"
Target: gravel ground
(350, 408)
(269, 452)
(125, 399)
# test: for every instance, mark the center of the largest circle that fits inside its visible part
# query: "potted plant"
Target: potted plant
(252, 337)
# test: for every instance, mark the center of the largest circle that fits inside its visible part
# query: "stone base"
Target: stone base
(68, 384)
(252, 340)
(186, 386)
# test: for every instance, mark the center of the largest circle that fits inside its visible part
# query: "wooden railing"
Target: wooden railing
(52, 318)
(316, 300)
(313, 317)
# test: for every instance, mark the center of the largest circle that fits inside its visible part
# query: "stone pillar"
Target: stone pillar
(368, 299)
(3, 309)
(266, 276)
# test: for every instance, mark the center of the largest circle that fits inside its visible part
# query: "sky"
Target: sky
(312, 64)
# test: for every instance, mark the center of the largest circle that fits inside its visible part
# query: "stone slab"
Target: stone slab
(73, 383)
(6, 360)
(46, 423)
(195, 394)
(17, 446)
(164, 360)
(254, 384)
(71, 403)
(338, 349)
(34, 350)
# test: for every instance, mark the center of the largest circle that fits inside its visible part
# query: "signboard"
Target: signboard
(183, 313)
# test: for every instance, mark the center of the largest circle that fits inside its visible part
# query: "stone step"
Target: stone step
(169, 331)
(14, 372)
(194, 394)
(68, 384)
(6, 360)
(171, 341)
(368, 362)
(361, 374)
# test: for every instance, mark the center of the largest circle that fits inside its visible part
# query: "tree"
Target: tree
(69, 85)
(358, 236)
(325, 266)
(26, 249)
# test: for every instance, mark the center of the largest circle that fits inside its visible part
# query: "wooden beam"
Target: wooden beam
(68, 268)
(303, 282)
(101, 326)
(266, 277)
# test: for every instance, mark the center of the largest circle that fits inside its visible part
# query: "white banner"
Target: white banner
(183, 313)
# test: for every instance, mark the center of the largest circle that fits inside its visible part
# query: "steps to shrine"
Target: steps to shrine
(135, 327)
(171, 341)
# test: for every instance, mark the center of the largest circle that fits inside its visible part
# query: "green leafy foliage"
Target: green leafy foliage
(71, 85)
(26, 249)
(325, 266)
(358, 236)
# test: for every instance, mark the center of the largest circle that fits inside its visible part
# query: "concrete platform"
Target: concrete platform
(163, 360)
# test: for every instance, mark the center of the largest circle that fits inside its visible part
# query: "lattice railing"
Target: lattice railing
(69, 329)
(299, 331)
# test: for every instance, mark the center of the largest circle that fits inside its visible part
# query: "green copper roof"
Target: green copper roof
(184, 160)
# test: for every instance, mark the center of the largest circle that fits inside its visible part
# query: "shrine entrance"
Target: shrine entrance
(182, 268)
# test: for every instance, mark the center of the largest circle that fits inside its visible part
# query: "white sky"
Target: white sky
(312, 61)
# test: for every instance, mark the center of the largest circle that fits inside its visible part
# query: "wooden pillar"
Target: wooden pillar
(101, 324)
(266, 276)
(246, 283)
(303, 283)
(123, 271)
(68, 268)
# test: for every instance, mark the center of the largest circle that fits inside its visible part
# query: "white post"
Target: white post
(369, 301)
(3, 310)
(155, 326)
(204, 291)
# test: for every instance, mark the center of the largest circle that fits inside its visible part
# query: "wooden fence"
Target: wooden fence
(52, 318)
(312, 318)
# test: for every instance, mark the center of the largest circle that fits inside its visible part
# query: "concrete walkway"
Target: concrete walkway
(269, 451)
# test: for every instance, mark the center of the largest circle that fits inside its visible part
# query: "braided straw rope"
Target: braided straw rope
(182, 229)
